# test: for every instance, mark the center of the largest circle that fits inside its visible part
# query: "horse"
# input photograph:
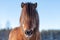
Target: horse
(29, 24)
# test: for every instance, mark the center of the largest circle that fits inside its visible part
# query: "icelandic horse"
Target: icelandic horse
(29, 24)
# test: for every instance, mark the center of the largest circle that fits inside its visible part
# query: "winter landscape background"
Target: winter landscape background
(49, 17)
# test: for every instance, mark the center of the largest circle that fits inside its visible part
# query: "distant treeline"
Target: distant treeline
(4, 34)
(50, 35)
(45, 35)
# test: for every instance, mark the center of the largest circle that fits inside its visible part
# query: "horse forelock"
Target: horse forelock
(28, 13)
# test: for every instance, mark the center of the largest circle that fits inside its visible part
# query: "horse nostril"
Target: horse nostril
(28, 32)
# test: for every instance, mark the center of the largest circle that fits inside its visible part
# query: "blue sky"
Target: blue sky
(48, 10)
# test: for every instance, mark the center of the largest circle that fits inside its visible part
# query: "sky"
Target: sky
(48, 10)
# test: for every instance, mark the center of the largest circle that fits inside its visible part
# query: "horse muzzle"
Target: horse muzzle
(28, 33)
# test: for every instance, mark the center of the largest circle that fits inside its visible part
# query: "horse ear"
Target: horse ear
(35, 5)
(22, 4)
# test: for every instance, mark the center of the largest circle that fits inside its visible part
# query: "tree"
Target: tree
(8, 25)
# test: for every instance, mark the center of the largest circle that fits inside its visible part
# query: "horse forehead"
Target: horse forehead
(29, 4)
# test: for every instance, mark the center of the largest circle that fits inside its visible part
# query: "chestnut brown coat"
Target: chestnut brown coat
(29, 17)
